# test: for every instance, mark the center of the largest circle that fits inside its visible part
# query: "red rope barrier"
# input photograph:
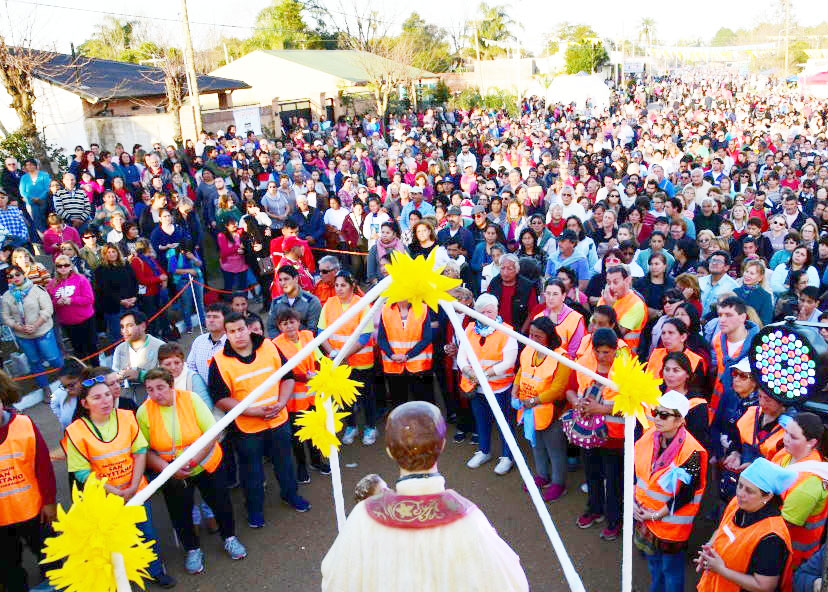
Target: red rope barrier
(360, 253)
(111, 345)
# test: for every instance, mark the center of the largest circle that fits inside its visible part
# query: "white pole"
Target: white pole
(121, 580)
(195, 305)
(629, 470)
(216, 429)
(572, 577)
(333, 457)
(544, 350)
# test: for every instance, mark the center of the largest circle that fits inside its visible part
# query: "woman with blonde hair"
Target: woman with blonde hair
(34, 271)
(116, 288)
(754, 289)
(688, 283)
(777, 232)
(74, 304)
(225, 210)
(739, 218)
(72, 251)
(809, 235)
(707, 244)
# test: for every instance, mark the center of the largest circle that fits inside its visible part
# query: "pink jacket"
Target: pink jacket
(52, 239)
(82, 300)
(229, 257)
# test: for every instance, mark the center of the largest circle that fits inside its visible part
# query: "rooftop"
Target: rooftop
(348, 64)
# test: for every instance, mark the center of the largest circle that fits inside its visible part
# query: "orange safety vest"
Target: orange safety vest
(585, 349)
(489, 354)
(402, 338)
(364, 358)
(565, 329)
(805, 539)
(111, 460)
(163, 444)
(535, 380)
(243, 378)
(621, 307)
(747, 430)
(20, 497)
(736, 545)
(656, 362)
(718, 388)
(615, 423)
(301, 400)
(650, 495)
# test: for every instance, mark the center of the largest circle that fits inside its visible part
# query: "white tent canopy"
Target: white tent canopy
(577, 88)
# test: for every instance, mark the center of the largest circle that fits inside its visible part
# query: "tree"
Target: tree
(646, 30)
(281, 26)
(723, 36)
(587, 56)
(428, 42)
(489, 34)
(112, 38)
(18, 66)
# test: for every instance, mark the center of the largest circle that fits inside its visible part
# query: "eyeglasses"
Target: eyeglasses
(779, 222)
(61, 265)
(739, 374)
(326, 270)
(664, 414)
(672, 300)
(14, 274)
(89, 382)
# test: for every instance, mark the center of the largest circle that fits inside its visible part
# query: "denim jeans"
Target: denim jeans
(235, 281)
(666, 572)
(38, 213)
(603, 474)
(186, 305)
(550, 453)
(483, 419)
(156, 566)
(41, 349)
(276, 444)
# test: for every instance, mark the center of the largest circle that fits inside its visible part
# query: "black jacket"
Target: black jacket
(520, 303)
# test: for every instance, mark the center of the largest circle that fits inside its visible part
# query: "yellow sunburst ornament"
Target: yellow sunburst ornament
(636, 387)
(335, 382)
(417, 281)
(314, 426)
(97, 525)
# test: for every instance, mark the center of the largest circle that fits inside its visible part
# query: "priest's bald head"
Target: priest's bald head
(415, 434)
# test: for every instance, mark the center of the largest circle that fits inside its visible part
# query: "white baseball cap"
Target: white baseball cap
(676, 401)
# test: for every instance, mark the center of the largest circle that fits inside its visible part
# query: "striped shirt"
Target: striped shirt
(71, 204)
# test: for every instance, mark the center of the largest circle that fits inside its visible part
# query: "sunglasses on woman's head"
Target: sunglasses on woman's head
(90, 382)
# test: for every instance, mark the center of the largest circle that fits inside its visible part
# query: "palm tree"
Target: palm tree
(646, 30)
(490, 32)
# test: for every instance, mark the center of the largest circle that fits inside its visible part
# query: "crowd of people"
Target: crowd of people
(673, 226)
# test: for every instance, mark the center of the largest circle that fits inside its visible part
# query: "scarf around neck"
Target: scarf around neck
(19, 293)
(383, 248)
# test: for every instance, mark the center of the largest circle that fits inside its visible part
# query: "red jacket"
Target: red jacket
(146, 276)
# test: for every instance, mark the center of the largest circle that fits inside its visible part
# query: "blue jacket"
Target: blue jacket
(311, 226)
(807, 573)
(465, 237)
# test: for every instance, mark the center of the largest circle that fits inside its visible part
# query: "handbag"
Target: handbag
(584, 432)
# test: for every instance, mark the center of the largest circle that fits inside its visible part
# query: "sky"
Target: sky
(55, 24)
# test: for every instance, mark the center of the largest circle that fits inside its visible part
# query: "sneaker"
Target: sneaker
(475, 439)
(369, 436)
(164, 581)
(504, 465)
(610, 534)
(584, 487)
(552, 493)
(459, 437)
(302, 475)
(194, 563)
(299, 503)
(323, 468)
(586, 520)
(541, 482)
(350, 435)
(235, 550)
(255, 520)
(478, 459)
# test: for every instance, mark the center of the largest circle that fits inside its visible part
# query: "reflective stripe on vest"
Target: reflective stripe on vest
(806, 538)
(535, 380)
(301, 399)
(489, 354)
(19, 490)
(675, 526)
(736, 545)
(332, 310)
(403, 337)
(163, 443)
(112, 460)
(243, 378)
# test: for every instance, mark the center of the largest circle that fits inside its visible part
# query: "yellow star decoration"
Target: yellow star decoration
(334, 381)
(636, 387)
(417, 281)
(314, 426)
(97, 525)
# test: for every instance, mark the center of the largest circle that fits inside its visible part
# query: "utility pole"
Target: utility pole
(477, 53)
(787, 4)
(189, 62)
